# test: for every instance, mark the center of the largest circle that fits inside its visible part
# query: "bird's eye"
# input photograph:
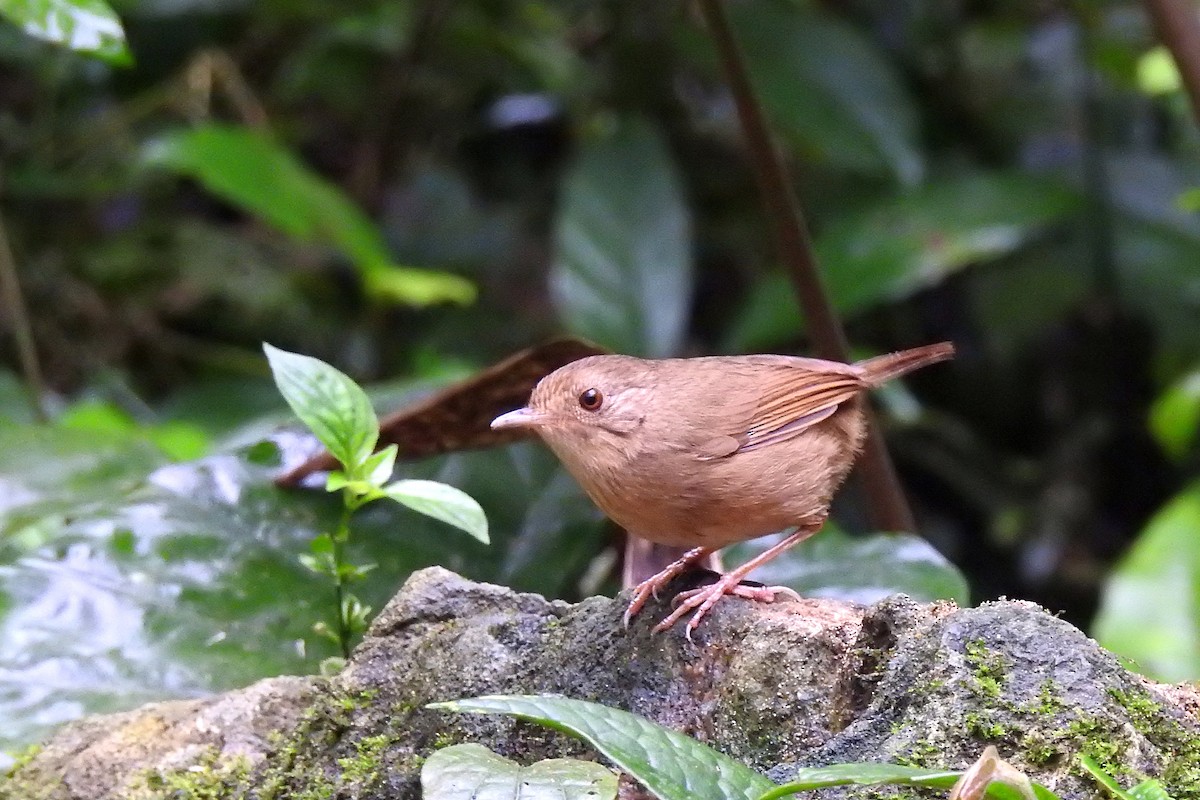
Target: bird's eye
(591, 400)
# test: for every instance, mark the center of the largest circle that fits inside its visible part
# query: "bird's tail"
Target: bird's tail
(883, 368)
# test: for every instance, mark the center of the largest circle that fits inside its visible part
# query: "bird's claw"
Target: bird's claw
(704, 598)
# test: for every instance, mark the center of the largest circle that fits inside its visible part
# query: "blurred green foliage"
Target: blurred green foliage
(413, 190)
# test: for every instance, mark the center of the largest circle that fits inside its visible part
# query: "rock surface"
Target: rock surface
(776, 686)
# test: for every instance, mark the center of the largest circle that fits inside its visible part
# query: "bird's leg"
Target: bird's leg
(706, 597)
(649, 587)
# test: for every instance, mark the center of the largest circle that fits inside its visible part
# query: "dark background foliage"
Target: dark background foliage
(1020, 178)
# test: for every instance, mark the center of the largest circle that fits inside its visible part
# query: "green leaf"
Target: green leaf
(862, 569)
(622, 273)
(870, 774)
(179, 440)
(671, 765)
(469, 771)
(441, 501)
(906, 243)
(378, 468)
(1103, 778)
(1150, 606)
(1149, 789)
(828, 89)
(1157, 72)
(253, 171)
(85, 26)
(1175, 415)
(333, 406)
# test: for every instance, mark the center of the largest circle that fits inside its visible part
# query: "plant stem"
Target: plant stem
(339, 539)
(888, 508)
(14, 302)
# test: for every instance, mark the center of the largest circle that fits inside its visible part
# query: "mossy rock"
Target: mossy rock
(806, 683)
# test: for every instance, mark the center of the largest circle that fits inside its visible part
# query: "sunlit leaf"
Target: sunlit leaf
(470, 771)
(1150, 607)
(333, 406)
(622, 273)
(253, 171)
(908, 242)
(671, 765)
(862, 569)
(440, 501)
(85, 26)
(1175, 415)
(1157, 72)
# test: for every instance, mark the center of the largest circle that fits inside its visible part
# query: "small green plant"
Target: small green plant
(338, 412)
(673, 766)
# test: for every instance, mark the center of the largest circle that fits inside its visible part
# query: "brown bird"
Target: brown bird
(705, 452)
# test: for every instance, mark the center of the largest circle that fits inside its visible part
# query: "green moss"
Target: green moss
(444, 739)
(1048, 700)
(210, 778)
(987, 668)
(1181, 772)
(21, 759)
(37, 787)
(923, 753)
(983, 725)
(363, 768)
(1091, 738)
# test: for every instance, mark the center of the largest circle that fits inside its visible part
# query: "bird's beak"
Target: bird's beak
(521, 418)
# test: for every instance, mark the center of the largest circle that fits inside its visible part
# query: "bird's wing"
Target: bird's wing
(789, 401)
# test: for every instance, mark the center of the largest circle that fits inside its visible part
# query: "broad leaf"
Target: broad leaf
(828, 89)
(126, 579)
(333, 406)
(622, 273)
(1150, 607)
(860, 569)
(85, 26)
(443, 502)
(671, 765)
(906, 243)
(470, 771)
(251, 170)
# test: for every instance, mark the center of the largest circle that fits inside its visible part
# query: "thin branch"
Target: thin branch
(14, 304)
(888, 507)
(1178, 27)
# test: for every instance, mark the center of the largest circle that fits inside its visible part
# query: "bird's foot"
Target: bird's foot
(651, 586)
(704, 598)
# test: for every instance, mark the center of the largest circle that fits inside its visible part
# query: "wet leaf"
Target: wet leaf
(622, 273)
(1150, 606)
(671, 765)
(469, 771)
(858, 569)
(85, 26)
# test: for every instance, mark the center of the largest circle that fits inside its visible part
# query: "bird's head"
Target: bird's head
(596, 403)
